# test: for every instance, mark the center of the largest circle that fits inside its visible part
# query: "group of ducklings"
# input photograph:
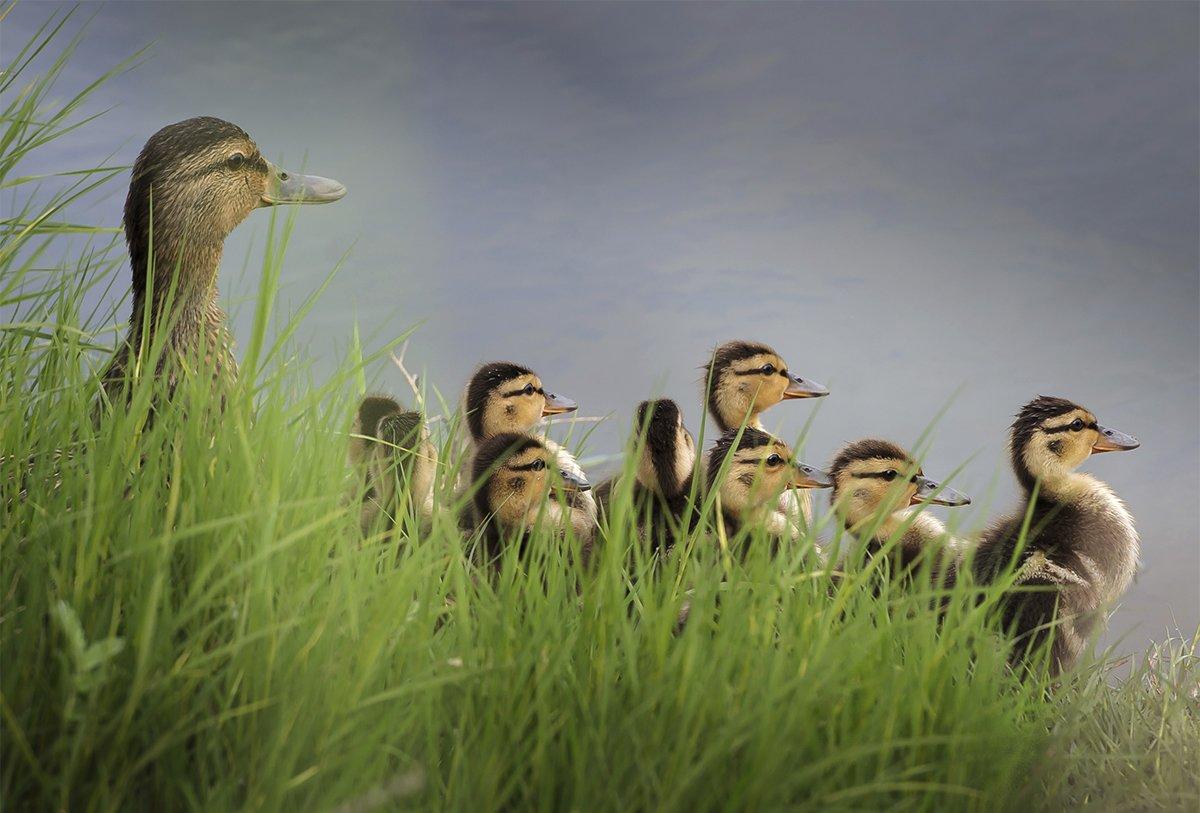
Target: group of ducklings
(1081, 548)
(196, 180)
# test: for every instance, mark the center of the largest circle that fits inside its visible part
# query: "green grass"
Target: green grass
(191, 618)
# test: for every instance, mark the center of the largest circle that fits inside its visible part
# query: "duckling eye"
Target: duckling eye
(528, 389)
(538, 465)
(1077, 425)
(890, 475)
(768, 369)
(774, 460)
(236, 161)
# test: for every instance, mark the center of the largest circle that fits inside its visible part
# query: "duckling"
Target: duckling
(749, 473)
(195, 181)
(877, 490)
(664, 474)
(392, 451)
(514, 475)
(1081, 550)
(742, 379)
(503, 397)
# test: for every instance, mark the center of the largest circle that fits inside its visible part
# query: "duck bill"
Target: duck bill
(1112, 440)
(807, 476)
(573, 483)
(290, 187)
(804, 388)
(557, 405)
(938, 494)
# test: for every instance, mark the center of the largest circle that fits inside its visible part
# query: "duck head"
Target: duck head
(1051, 437)
(873, 477)
(744, 378)
(750, 472)
(506, 397)
(515, 475)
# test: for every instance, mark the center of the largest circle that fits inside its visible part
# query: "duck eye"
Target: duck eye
(774, 460)
(538, 465)
(1077, 425)
(890, 475)
(768, 369)
(236, 161)
(528, 389)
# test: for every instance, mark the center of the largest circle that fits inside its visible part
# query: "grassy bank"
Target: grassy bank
(191, 618)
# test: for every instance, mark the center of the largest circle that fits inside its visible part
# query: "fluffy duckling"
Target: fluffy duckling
(750, 473)
(392, 451)
(742, 379)
(195, 181)
(514, 475)
(877, 490)
(503, 397)
(663, 477)
(1081, 548)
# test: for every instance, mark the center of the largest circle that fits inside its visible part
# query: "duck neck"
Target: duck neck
(177, 289)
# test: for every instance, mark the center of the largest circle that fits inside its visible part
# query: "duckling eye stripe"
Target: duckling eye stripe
(1055, 429)
(526, 467)
(755, 371)
(879, 475)
(515, 393)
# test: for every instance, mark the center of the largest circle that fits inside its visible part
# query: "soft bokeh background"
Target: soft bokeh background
(925, 206)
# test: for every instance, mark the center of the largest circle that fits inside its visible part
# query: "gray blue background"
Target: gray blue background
(926, 206)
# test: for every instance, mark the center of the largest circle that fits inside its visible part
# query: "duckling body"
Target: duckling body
(878, 493)
(749, 470)
(744, 379)
(663, 477)
(192, 184)
(1082, 549)
(516, 476)
(503, 397)
(396, 459)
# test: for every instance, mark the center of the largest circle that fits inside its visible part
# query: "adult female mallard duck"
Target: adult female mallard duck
(1081, 550)
(192, 184)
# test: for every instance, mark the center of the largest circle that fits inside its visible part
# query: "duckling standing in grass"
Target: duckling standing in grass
(515, 476)
(504, 397)
(1081, 550)
(743, 379)
(392, 451)
(195, 181)
(877, 493)
(749, 473)
(664, 473)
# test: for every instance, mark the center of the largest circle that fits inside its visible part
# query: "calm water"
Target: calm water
(927, 207)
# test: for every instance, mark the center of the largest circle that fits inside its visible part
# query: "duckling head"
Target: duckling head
(873, 477)
(1051, 437)
(744, 378)
(669, 454)
(750, 472)
(196, 180)
(506, 397)
(515, 475)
